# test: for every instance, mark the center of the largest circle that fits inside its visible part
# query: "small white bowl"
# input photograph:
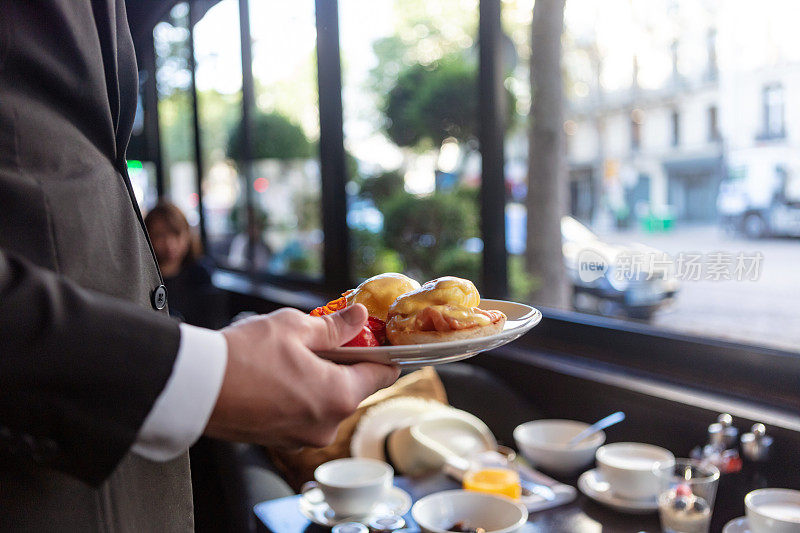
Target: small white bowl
(496, 514)
(544, 443)
(773, 510)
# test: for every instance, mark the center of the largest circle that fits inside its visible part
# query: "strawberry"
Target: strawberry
(364, 338)
(378, 328)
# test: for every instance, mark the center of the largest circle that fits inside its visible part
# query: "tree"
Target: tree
(425, 230)
(381, 187)
(274, 137)
(434, 102)
(547, 192)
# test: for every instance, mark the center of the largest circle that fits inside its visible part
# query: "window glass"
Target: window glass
(679, 161)
(773, 111)
(219, 94)
(286, 183)
(410, 125)
(173, 80)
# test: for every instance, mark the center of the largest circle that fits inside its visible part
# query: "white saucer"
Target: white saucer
(737, 525)
(595, 487)
(520, 319)
(314, 507)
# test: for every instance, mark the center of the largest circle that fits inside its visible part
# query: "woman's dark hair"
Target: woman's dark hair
(176, 221)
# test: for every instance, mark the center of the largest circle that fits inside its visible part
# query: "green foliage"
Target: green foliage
(175, 118)
(458, 262)
(275, 137)
(371, 257)
(421, 229)
(218, 115)
(424, 32)
(382, 187)
(521, 284)
(432, 103)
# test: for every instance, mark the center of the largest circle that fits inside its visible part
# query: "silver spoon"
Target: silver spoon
(603, 423)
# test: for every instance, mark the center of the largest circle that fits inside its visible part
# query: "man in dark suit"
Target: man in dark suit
(101, 393)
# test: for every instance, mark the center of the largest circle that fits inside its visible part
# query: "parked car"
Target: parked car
(628, 279)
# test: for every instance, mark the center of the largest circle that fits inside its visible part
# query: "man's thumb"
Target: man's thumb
(336, 329)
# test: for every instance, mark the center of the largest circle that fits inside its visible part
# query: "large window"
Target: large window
(175, 118)
(686, 247)
(410, 97)
(286, 172)
(668, 149)
(217, 52)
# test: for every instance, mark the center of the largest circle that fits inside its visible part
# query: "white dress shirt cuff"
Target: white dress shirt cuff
(181, 411)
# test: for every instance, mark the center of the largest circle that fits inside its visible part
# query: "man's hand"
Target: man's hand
(277, 391)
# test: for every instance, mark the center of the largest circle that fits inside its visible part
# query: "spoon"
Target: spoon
(530, 488)
(603, 423)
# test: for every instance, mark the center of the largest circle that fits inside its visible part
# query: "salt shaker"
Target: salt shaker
(756, 444)
(721, 448)
(722, 434)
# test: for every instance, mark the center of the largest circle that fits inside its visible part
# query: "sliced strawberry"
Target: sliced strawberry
(364, 338)
(378, 328)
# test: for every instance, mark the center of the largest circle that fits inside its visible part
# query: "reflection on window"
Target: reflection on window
(173, 80)
(219, 94)
(410, 119)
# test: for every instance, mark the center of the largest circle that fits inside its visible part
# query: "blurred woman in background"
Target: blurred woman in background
(187, 274)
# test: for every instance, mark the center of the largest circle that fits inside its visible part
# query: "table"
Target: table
(582, 515)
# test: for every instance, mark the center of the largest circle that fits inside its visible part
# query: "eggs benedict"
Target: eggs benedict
(379, 292)
(442, 309)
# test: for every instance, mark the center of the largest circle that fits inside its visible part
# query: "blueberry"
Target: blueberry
(700, 506)
(681, 503)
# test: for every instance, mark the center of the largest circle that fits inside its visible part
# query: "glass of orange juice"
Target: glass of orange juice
(503, 481)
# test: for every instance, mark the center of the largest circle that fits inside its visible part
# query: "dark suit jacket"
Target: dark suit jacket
(83, 354)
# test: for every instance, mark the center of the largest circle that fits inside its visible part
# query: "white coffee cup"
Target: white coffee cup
(628, 468)
(773, 511)
(352, 486)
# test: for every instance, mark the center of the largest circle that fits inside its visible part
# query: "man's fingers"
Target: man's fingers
(331, 331)
(366, 378)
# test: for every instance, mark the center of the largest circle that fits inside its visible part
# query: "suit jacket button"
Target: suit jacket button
(159, 297)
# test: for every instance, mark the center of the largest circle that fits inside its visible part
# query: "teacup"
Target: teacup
(352, 486)
(628, 468)
(773, 511)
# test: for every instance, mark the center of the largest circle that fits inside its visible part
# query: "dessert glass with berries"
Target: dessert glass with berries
(686, 496)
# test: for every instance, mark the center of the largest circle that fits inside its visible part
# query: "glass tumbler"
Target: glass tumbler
(686, 495)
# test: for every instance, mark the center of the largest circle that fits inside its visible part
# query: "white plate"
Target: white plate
(595, 487)
(737, 525)
(520, 318)
(313, 506)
